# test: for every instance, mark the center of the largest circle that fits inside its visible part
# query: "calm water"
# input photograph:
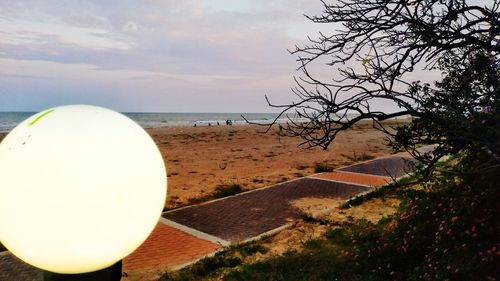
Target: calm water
(8, 120)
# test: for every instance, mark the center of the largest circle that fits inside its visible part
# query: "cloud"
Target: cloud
(165, 29)
(21, 32)
(212, 50)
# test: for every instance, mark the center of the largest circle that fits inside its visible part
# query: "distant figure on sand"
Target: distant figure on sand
(218, 123)
(209, 124)
(195, 125)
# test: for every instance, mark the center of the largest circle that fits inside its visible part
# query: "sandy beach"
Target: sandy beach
(202, 158)
(199, 159)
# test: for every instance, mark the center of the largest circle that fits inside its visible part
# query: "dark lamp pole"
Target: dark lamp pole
(112, 273)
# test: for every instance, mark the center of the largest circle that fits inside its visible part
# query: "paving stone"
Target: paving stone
(355, 178)
(247, 215)
(14, 269)
(168, 247)
(388, 167)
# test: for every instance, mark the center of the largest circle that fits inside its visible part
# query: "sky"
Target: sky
(151, 55)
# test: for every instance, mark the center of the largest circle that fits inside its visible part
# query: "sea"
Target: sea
(9, 120)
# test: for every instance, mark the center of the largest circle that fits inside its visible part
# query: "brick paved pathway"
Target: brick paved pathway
(244, 216)
(356, 178)
(168, 247)
(388, 166)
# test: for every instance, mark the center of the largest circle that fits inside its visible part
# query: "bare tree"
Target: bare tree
(374, 58)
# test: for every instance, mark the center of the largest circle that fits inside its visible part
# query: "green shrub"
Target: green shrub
(227, 190)
(321, 168)
(365, 157)
(251, 249)
(298, 175)
(302, 167)
(311, 219)
(203, 268)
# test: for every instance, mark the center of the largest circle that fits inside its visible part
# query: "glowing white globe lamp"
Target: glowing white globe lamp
(81, 188)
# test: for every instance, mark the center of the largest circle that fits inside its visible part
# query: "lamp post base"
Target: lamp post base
(112, 273)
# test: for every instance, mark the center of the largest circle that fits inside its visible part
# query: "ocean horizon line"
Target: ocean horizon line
(156, 112)
(9, 120)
